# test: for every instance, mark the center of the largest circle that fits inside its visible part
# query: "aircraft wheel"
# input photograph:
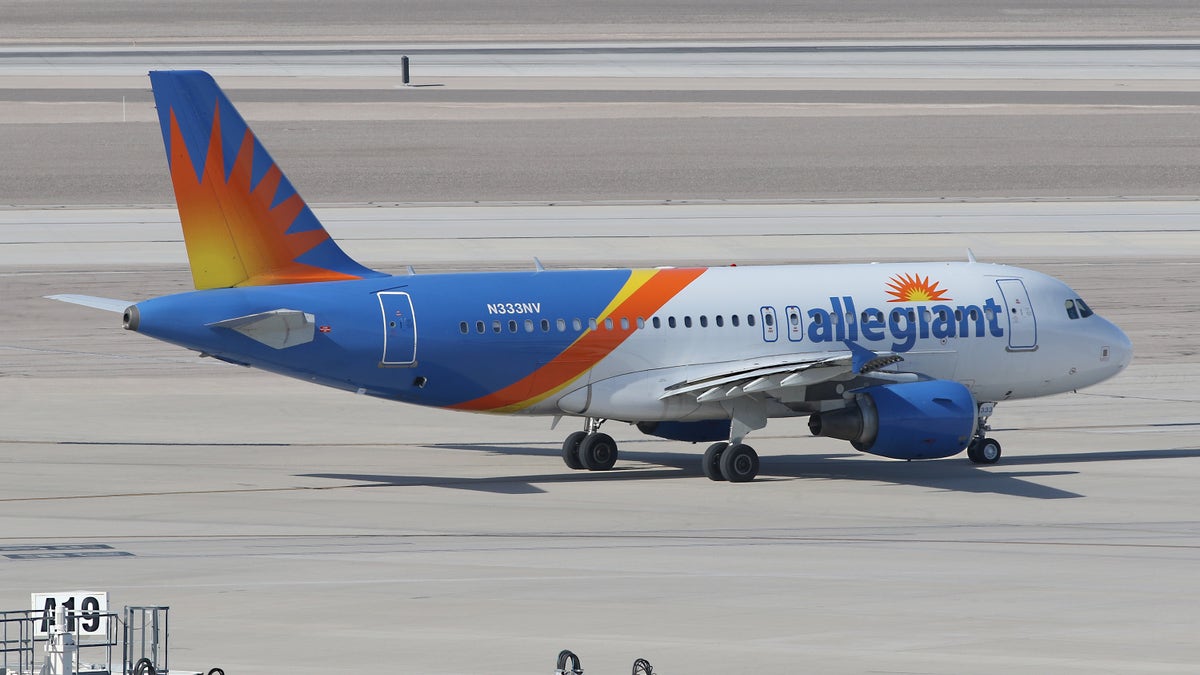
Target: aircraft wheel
(570, 450)
(984, 451)
(739, 463)
(598, 452)
(712, 461)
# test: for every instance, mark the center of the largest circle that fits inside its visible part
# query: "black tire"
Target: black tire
(598, 452)
(144, 666)
(984, 451)
(712, 461)
(739, 463)
(570, 450)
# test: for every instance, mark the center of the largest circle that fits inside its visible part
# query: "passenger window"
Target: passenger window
(687, 321)
(462, 326)
(561, 324)
(671, 321)
(750, 320)
(958, 315)
(592, 323)
(512, 325)
(793, 318)
(479, 327)
(624, 323)
(576, 324)
(641, 323)
(496, 326)
(769, 319)
(657, 322)
(720, 321)
(834, 318)
(545, 325)
(733, 319)
(703, 321)
(528, 325)
(608, 323)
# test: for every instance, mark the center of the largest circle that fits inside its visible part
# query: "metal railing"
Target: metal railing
(143, 634)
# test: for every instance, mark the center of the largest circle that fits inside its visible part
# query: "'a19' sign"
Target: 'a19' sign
(84, 611)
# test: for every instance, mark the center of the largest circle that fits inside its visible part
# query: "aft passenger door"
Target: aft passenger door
(399, 329)
(1022, 324)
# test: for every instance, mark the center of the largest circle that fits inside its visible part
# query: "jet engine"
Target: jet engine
(908, 420)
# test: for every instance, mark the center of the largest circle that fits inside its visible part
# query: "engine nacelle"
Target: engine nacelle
(701, 431)
(908, 420)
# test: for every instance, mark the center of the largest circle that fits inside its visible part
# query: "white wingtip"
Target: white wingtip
(971, 256)
(106, 304)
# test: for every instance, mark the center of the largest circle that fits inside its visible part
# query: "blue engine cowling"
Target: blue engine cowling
(909, 420)
(693, 432)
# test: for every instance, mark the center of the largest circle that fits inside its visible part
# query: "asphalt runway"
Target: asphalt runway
(293, 528)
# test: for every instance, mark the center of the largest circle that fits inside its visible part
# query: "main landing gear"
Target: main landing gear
(983, 450)
(590, 449)
(736, 463)
(595, 451)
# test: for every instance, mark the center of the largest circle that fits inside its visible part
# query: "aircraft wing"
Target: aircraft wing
(106, 304)
(741, 378)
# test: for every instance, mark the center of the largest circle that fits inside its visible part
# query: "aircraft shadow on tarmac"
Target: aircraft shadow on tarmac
(951, 475)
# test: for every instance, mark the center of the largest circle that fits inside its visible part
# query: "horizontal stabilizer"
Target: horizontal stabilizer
(106, 304)
(278, 328)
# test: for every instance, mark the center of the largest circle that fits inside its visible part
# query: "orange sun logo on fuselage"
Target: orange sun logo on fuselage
(910, 288)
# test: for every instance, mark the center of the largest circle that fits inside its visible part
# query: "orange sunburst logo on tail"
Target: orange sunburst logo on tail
(233, 234)
(912, 288)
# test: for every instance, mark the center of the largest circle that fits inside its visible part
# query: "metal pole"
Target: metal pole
(404, 70)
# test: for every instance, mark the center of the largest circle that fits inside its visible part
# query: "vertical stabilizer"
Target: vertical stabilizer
(243, 222)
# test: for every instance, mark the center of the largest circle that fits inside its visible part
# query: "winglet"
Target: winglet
(243, 222)
(971, 256)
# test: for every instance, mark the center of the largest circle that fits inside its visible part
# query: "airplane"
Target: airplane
(905, 361)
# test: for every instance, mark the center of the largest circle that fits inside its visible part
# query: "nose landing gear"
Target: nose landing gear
(983, 450)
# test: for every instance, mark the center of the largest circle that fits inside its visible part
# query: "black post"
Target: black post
(404, 70)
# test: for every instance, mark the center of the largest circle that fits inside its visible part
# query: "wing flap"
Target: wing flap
(735, 380)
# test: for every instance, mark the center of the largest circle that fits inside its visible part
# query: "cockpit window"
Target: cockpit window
(1072, 313)
(1084, 310)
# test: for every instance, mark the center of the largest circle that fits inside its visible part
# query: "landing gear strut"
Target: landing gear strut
(590, 449)
(983, 450)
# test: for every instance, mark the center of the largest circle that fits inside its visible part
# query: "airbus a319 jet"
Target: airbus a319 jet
(902, 360)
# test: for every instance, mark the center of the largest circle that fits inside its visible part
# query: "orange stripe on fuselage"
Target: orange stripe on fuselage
(643, 294)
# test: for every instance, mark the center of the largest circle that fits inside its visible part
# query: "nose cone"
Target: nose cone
(1115, 350)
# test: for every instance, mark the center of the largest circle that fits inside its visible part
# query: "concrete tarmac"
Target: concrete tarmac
(289, 524)
(297, 529)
